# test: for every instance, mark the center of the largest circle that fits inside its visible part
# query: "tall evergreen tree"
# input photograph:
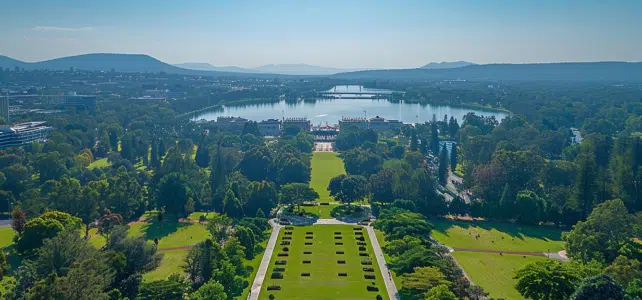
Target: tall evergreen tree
(434, 136)
(126, 148)
(453, 157)
(585, 185)
(202, 156)
(413, 140)
(443, 165)
(154, 159)
(162, 149)
(453, 127)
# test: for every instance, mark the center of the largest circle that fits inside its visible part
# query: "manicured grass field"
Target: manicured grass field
(171, 234)
(497, 236)
(6, 237)
(494, 272)
(195, 216)
(99, 163)
(325, 166)
(324, 281)
(172, 262)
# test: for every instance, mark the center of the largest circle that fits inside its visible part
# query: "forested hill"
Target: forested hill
(591, 71)
(127, 63)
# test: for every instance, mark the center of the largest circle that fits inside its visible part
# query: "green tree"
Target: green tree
(154, 156)
(162, 149)
(422, 279)
(220, 226)
(634, 290)
(546, 280)
(263, 196)
(58, 254)
(247, 239)
(255, 164)
(600, 287)
(605, 231)
(51, 166)
(413, 140)
(4, 266)
(296, 193)
(423, 193)
(124, 195)
(212, 290)
(232, 205)
(174, 195)
(440, 292)
(585, 185)
(45, 226)
(443, 166)
(353, 188)
(624, 270)
(453, 157)
(434, 136)
(202, 156)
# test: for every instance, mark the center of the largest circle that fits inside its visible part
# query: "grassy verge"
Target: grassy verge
(381, 237)
(325, 166)
(172, 263)
(254, 264)
(324, 281)
(6, 237)
(497, 236)
(494, 272)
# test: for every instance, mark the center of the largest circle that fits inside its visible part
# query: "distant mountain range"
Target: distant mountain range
(139, 63)
(286, 69)
(447, 65)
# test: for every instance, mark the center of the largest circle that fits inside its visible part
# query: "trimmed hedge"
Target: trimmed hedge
(343, 274)
(368, 269)
(286, 249)
(281, 262)
(288, 233)
(307, 261)
(324, 203)
(289, 228)
(274, 288)
(337, 232)
(309, 237)
(276, 275)
(277, 269)
(357, 228)
(337, 237)
(362, 243)
(285, 243)
(338, 244)
(308, 244)
(369, 276)
(282, 254)
(341, 262)
(339, 252)
(309, 232)
(307, 252)
(366, 262)
(305, 274)
(358, 233)
(360, 238)
(372, 288)
(287, 238)
(364, 254)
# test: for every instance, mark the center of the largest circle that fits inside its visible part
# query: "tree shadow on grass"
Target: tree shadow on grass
(159, 230)
(517, 231)
(350, 213)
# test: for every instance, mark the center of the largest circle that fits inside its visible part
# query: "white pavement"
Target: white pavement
(381, 260)
(265, 262)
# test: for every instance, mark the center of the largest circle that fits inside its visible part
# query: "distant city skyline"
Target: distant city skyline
(331, 33)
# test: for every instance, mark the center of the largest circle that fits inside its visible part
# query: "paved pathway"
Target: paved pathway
(265, 262)
(381, 260)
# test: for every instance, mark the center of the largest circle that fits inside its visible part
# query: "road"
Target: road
(265, 262)
(381, 261)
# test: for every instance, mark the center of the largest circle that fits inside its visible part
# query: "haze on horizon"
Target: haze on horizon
(346, 34)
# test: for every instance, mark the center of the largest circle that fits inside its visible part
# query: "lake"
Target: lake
(321, 111)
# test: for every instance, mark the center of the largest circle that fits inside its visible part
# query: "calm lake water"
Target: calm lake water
(330, 111)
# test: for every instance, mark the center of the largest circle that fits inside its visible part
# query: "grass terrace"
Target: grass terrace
(325, 166)
(497, 236)
(495, 272)
(323, 262)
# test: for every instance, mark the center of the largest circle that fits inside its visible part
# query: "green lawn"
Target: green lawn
(171, 234)
(497, 236)
(494, 272)
(6, 237)
(95, 239)
(99, 163)
(324, 281)
(195, 216)
(325, 166)
(172, 262)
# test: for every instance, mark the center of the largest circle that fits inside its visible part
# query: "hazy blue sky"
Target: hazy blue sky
(348, 33)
